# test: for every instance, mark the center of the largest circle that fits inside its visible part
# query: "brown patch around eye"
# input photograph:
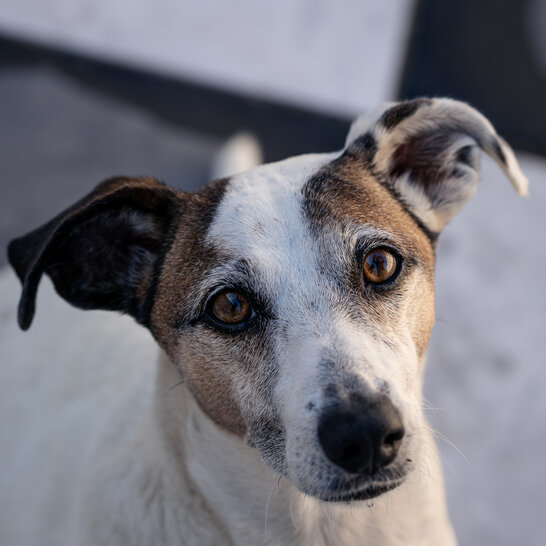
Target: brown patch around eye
(230, 307)
(379, 266)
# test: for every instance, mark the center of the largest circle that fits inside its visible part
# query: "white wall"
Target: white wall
(339, 55)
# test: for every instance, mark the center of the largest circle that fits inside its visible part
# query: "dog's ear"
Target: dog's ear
(101, 253)
(427, 152)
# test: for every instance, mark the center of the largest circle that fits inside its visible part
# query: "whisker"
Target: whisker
(445, 439)
(292, 513)
(267, 509)
(427, 406)
(328, 516)
(174, 387)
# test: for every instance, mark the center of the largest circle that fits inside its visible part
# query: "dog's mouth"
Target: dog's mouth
(365, 493)
(314, 475)
(361, 487)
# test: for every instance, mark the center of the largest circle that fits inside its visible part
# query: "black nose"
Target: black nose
(362, 437)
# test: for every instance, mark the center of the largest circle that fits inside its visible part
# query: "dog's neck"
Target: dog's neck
(250, 504)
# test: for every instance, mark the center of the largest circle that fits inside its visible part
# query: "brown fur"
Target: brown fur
(200, 355)
(347, 191)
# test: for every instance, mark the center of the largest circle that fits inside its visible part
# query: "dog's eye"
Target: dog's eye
(379, 266)
(229, 307)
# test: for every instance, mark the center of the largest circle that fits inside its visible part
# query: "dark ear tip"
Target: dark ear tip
(26, 304)
(24, 318)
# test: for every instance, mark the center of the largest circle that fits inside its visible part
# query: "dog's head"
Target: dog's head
(296, 299)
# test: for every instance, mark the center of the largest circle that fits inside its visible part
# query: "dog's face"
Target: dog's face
(295, 299)
(286, 324)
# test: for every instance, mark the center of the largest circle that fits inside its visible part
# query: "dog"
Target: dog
(292, 305)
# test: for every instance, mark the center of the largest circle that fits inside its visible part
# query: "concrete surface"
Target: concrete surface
(337, 55)
(487, 362)
(58, 140)
(486, 375)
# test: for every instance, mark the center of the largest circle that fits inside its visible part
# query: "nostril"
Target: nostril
(388, 451)
(394, 437)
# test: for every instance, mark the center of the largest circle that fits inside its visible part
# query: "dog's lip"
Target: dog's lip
(367, 492)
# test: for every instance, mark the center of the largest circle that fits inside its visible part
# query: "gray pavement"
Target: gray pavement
(487, 362)
(58, 140)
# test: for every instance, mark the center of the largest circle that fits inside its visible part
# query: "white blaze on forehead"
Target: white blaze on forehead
(260, 217)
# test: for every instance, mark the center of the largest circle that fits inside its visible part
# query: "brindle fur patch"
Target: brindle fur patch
(200, 355)
(345, 193)
(398, 113)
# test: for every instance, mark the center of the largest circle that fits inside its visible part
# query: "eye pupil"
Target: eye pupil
(230, 307)
(379, 266)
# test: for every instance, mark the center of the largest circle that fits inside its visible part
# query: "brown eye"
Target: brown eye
(230, 307)
(379, 265)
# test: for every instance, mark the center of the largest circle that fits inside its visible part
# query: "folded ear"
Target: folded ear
(101, 253)
(427, 152)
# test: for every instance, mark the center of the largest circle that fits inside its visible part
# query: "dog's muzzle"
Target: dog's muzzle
(361, 436)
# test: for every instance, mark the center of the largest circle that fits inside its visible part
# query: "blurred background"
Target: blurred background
(93, 88)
